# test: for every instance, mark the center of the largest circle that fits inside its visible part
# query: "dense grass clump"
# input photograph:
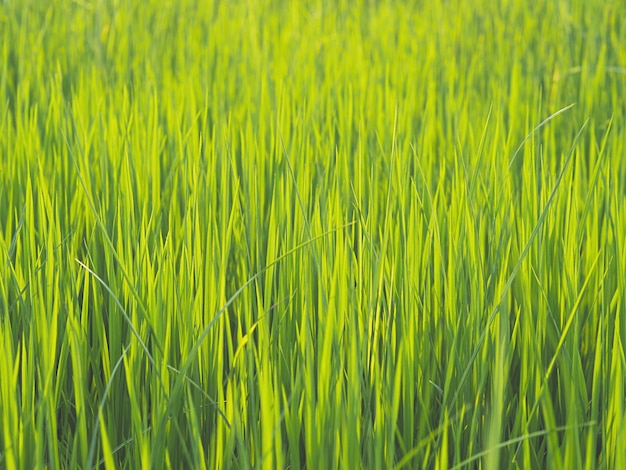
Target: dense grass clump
(312, 234)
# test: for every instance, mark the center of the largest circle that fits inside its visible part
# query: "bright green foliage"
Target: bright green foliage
(272, 234)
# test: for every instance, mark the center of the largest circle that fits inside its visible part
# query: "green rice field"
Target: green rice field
(313, 234)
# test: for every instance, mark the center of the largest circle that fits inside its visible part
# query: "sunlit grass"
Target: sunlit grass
(312, 234)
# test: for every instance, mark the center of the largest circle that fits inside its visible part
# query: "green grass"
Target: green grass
(321, 234)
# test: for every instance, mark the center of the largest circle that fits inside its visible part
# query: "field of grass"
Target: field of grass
(321, 234)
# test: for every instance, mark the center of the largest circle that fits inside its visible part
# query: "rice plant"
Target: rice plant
(312, 234)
